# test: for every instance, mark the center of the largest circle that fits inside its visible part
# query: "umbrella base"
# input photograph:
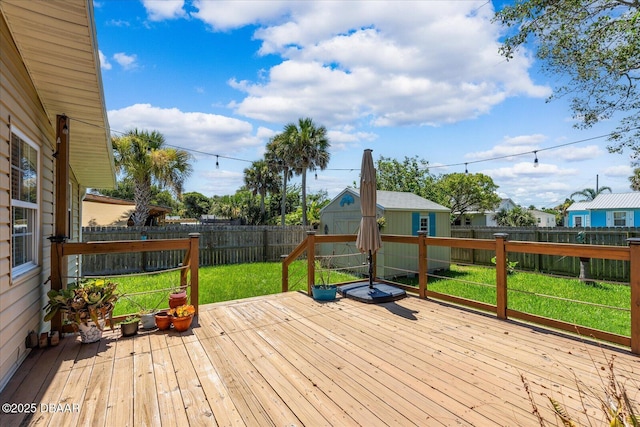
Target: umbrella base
(380, 293)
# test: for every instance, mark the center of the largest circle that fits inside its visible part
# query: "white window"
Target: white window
(620, 219)
(424, 223)
(25, 174)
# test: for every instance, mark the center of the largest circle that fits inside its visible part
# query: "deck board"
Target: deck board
(286, 360)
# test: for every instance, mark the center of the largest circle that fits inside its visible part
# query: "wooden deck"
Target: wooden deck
(286, 360)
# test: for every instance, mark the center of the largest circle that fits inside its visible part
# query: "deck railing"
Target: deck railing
(188, 274)
(500, 245)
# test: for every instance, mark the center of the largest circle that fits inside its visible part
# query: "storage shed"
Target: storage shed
(404, 214)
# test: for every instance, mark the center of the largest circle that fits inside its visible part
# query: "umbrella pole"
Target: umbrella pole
(370, 259)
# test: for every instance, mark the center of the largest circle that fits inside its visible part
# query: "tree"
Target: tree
(143, 157)
(411, 176)
(635, 180)
(278, 158)
(516, 217)
(261, 179)
(463, 192)
(307, 147)
(594, 46)
(196, 204)
(589, 194)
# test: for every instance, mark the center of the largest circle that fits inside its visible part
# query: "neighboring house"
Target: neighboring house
(475, 218)
(404, 214)
(606, 210)
(51, 97)
(543, 219)
(98, 210)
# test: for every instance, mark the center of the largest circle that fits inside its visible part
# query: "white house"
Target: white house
(51, 99)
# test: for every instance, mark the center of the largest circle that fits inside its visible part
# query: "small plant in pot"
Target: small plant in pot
(129, 326)
(147, 318)
(86, 305)
(182, 316)
(323, 291)
(177, 297)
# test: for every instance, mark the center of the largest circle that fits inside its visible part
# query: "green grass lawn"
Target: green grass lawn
(542, 295)
(525, 291)
(217, 283)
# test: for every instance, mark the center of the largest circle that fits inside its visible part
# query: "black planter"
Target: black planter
(129, 329)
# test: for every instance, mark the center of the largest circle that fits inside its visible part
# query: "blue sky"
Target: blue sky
(418, 78)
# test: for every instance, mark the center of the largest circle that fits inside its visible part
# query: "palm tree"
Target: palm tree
(307, 146)
(261, 179)
(589, 194)
(143, 157)
(278, 159)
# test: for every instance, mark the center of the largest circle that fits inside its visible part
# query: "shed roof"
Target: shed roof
(398, 200)
(610, 201)
(58, 45)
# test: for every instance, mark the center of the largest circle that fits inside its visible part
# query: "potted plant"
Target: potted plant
(163, 320)
(147, 318)
(177, 297)
(323, 291)
(182, 316)
(86, 305)
(129, 326)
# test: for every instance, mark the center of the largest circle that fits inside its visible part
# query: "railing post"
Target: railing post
(422, 264)
(634, 283)
(311, 259)
(194, 264)
(501, 275)
(285, 274)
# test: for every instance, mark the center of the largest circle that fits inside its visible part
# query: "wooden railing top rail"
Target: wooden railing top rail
(619, 253)
(102, 247)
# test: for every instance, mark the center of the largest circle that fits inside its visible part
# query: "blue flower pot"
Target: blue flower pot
(325, 293)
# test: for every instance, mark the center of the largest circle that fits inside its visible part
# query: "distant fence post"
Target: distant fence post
(501, 275)
(634, 283)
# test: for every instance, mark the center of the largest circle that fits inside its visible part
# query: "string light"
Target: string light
(217, 163)
(465, 168)
(535, 161)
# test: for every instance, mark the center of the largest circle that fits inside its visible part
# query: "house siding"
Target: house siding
(598, 219)
(21, 298)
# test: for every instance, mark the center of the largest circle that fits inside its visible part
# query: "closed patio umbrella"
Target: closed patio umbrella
(368, 240)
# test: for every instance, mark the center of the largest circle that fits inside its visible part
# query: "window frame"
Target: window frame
(625, 218)
(420, 227)
(34, 208)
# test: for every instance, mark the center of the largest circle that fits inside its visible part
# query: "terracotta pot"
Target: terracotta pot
(177, 299)
(182, 324)
(163, 320)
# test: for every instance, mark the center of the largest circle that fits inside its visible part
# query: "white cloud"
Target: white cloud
(160, 10)
(432, 64)
(522, 145)
(208, 133)
(229, 14)
(104, 62)
(128, 62)
(576, 154)
(620, 171)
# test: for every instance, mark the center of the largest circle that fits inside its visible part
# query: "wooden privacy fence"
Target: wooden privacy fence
(499, 246)
(599, 268)
(219, 245)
